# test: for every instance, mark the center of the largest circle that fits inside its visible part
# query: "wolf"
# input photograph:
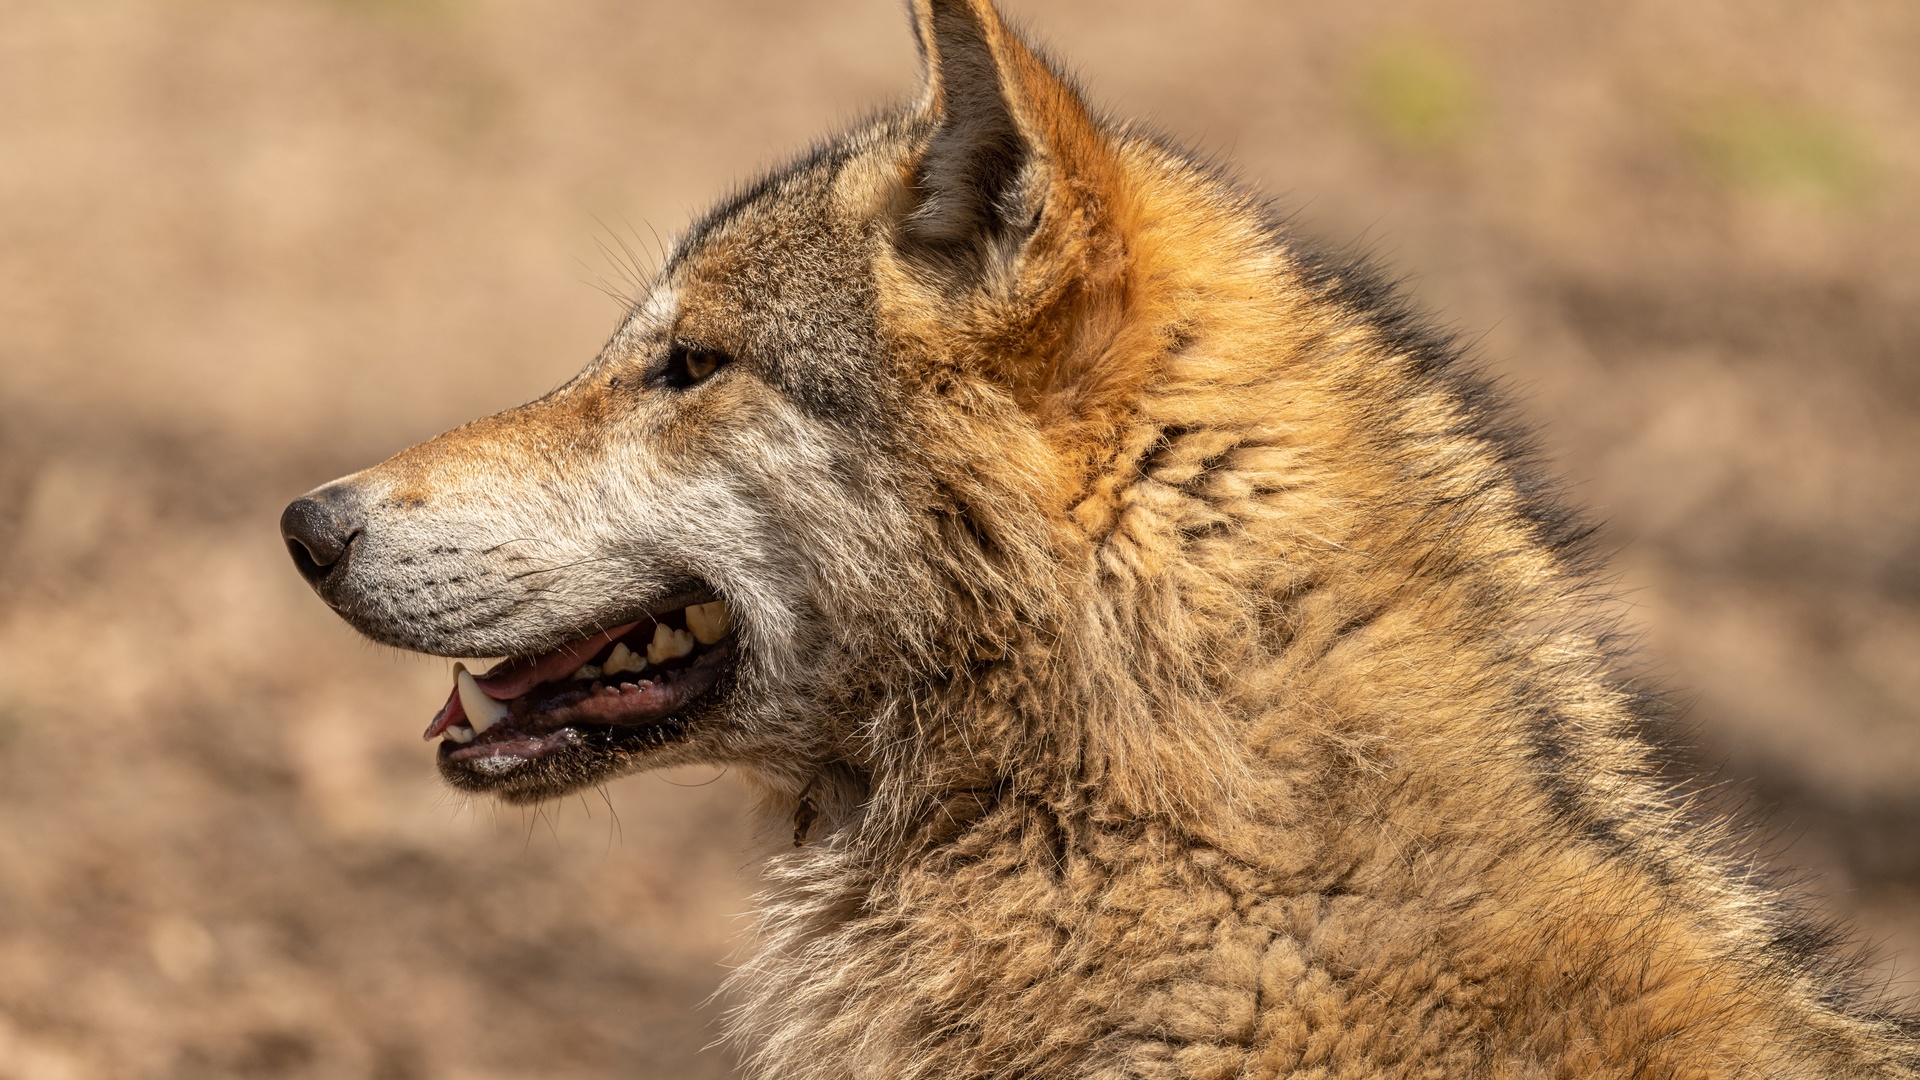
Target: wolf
(1163, 650)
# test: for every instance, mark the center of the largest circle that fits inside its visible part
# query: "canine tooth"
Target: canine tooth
(623, 660)
(587, 671)
(482, 711)
(709, 622)
(668, 644)
(459, 733)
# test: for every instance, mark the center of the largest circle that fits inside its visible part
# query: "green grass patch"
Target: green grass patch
(1419, 92)
(1762, 146)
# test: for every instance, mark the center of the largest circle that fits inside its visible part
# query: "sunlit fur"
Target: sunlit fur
(1156, 643)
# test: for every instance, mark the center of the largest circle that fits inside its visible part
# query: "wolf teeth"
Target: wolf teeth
(587, 672)
(668, 644)
(709, 622)
(459, 733)
(622, 661)
(482, 711)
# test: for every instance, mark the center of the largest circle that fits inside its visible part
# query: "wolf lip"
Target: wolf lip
(532, 706)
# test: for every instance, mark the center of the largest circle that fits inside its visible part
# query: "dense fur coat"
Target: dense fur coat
(1160, 649)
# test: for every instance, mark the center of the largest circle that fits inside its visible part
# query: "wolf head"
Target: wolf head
(861, 406)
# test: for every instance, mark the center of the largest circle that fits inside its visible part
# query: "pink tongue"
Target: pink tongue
(450, 714)
(521, 674)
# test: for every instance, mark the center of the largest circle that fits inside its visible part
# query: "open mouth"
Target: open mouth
(625, 686)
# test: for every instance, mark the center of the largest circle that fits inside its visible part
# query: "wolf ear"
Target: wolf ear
(980, 184)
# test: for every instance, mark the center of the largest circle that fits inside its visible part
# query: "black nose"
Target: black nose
(318, 535)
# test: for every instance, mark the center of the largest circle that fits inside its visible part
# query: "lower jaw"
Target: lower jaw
(508, 753)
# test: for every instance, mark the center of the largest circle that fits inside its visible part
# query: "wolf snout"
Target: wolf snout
(318, 529)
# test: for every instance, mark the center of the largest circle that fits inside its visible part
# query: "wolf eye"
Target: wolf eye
(688, 365)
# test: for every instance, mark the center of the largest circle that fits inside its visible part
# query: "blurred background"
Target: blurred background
(249, 245)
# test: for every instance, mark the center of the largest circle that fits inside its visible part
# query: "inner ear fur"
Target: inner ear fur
(1005, 129)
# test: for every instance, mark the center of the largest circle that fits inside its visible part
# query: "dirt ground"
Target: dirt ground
(248, 245)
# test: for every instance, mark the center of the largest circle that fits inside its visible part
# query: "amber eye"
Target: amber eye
(688, 365)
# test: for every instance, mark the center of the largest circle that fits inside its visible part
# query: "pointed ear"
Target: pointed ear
(982, 180)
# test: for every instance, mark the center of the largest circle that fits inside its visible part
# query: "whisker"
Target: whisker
(564, 566)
